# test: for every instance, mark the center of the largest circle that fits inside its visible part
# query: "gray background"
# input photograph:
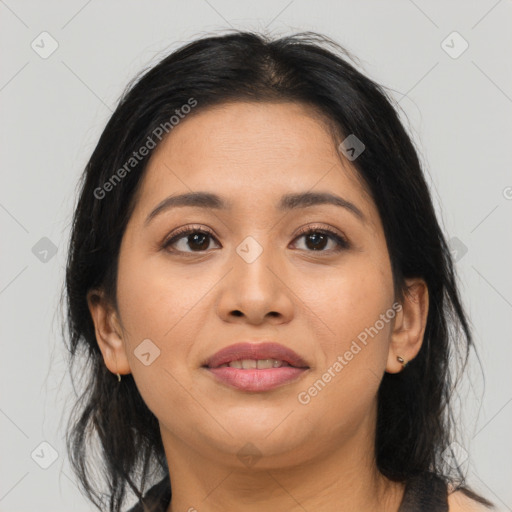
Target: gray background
(53, 110)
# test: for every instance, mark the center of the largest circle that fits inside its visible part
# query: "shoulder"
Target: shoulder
(460, 502)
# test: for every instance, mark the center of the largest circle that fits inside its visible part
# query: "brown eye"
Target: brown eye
(318, 239)
(196, 240)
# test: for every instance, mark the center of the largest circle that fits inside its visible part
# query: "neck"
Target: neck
(336, 479)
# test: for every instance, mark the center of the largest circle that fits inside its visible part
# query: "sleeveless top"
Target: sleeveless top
(423, 493)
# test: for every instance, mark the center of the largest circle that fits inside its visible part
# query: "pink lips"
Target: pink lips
(256, 379)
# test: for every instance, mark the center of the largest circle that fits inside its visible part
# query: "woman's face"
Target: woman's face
(255, 277)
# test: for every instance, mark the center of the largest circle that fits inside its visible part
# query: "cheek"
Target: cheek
(156, 304)
(352, 301)
(168, 305)
(357, 307)
(155, 297)
(354, 348)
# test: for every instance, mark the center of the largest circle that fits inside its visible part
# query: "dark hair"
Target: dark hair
(415, 418)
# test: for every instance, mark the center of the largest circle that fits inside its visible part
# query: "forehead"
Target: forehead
(252, 153)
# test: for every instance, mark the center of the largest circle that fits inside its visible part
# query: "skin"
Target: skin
(316, 456)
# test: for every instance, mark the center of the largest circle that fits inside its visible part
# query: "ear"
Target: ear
(108, 332)
(409, 326)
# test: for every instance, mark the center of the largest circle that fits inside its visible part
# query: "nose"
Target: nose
(255, 289)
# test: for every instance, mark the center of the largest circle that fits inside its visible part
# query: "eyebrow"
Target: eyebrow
(288, 202)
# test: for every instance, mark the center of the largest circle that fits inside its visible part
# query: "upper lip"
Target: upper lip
(246, 350)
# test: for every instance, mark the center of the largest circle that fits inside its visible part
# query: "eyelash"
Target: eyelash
(342, 242)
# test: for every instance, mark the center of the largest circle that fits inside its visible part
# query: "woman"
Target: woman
(263, 293)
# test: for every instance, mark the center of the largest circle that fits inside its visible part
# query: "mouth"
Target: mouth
(253, 364)
(256, 367)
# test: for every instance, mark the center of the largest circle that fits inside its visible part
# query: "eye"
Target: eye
(198, 240)
(316, 239)
(194, 239)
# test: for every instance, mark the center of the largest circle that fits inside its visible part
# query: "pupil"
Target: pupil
(319, 237)
(195, 238)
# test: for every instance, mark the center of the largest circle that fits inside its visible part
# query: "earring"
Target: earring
(118, 377)
(401, 360)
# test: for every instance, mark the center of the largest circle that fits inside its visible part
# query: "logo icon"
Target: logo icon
(351, 147)
(455, 455)
(454, 45)
(146, 352)
(44, 250)
(249, 455)
(457, 248)
(44, 455)
(249, 249)
(44, 45)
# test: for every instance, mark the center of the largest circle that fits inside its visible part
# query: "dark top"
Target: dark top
(423, 493)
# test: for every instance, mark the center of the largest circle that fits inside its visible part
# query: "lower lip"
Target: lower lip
(257, 380)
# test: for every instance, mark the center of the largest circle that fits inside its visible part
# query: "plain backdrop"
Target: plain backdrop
(63, 68)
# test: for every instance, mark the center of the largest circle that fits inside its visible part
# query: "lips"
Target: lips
(234, 367)
(255, 351)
